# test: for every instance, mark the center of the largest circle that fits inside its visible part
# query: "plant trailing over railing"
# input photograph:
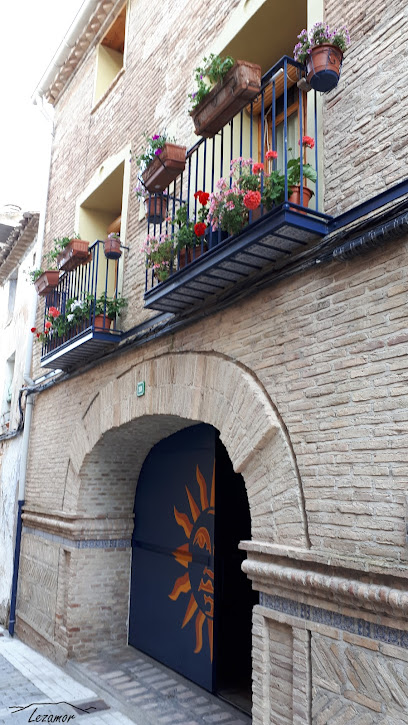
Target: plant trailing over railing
(154, 146)
(158, 254)
(213, 70)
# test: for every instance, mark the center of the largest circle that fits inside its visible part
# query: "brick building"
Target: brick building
(280, 352)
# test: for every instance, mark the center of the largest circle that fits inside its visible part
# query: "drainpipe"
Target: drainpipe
(28, 414)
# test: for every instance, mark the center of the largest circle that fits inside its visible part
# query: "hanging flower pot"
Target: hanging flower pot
(111, 247)
(156, 208)
(74, 254)
(323, 67)
(46, 282)
(165, 168)
(294, 197)
(240, 85)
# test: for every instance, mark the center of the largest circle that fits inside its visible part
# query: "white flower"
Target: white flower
(70, 318)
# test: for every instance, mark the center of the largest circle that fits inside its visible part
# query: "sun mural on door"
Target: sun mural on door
(200, 545)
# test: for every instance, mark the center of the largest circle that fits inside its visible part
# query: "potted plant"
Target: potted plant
(189, 238)
(161, 162)
(159, 255)
(111, 246)
(322, 52)
(44, 280)
(104, 309)
(231, 204)
(224, 88)
(70, 252)
(294, 176)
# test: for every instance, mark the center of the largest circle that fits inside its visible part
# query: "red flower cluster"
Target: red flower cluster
(202, 197)
(257, 168)
(199, 229)
(33, 329)
(271, 155)
(252, 199)
(308, 141)
(53, 312)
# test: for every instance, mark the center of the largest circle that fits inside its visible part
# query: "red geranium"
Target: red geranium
(271, 155)
(54, 312)
(33, 329)
(257, 168)
(47, 325)
(308, 141)
(203, 197)
(252, 199)
(199, 229)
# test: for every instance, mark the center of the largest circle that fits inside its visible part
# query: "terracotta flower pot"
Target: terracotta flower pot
(74, 254)
(102, 322)
(189, 255)
(111, 248)
(323, 67)
(240, 85)
(294, 196)
(165, 167)
(46, 282)
(156, 208)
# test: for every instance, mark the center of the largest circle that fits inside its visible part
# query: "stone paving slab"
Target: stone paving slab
(153, 693)
(131, 687)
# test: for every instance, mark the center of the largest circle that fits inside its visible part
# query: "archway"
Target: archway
(108, 449)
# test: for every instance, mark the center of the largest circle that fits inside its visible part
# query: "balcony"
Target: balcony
(271, 235)
(85, 295)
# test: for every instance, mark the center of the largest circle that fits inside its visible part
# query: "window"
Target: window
(110, 55)
(12, 294)
(7, 394)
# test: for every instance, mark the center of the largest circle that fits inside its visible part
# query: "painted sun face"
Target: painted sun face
(200, 548)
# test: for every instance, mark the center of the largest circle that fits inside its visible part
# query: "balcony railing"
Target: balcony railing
(91, 332)
(275, 120)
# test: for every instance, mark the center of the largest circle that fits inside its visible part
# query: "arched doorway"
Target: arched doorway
(190, 604)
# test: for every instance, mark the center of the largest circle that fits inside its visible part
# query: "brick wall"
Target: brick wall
(364, 130)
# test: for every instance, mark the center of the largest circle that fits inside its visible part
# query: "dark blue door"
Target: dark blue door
(172, 588)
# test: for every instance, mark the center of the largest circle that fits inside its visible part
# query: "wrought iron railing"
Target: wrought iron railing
(91, 284)
(266, 123)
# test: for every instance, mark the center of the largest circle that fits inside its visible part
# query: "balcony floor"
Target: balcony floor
(268, 243)
(80, 349)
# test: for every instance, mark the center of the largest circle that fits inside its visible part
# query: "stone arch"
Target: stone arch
(118, 430)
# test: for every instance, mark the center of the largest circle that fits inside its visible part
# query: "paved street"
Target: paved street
(115, 688)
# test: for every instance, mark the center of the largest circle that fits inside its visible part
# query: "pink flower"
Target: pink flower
(257, 168)
(271, 155)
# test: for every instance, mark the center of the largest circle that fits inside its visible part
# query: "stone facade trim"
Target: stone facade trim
(352, 591)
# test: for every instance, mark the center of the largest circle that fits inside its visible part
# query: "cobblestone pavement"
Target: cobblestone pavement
(117, 687)
(151, 693)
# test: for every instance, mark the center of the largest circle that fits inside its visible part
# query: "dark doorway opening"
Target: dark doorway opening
(190, 603)
(234, 595)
